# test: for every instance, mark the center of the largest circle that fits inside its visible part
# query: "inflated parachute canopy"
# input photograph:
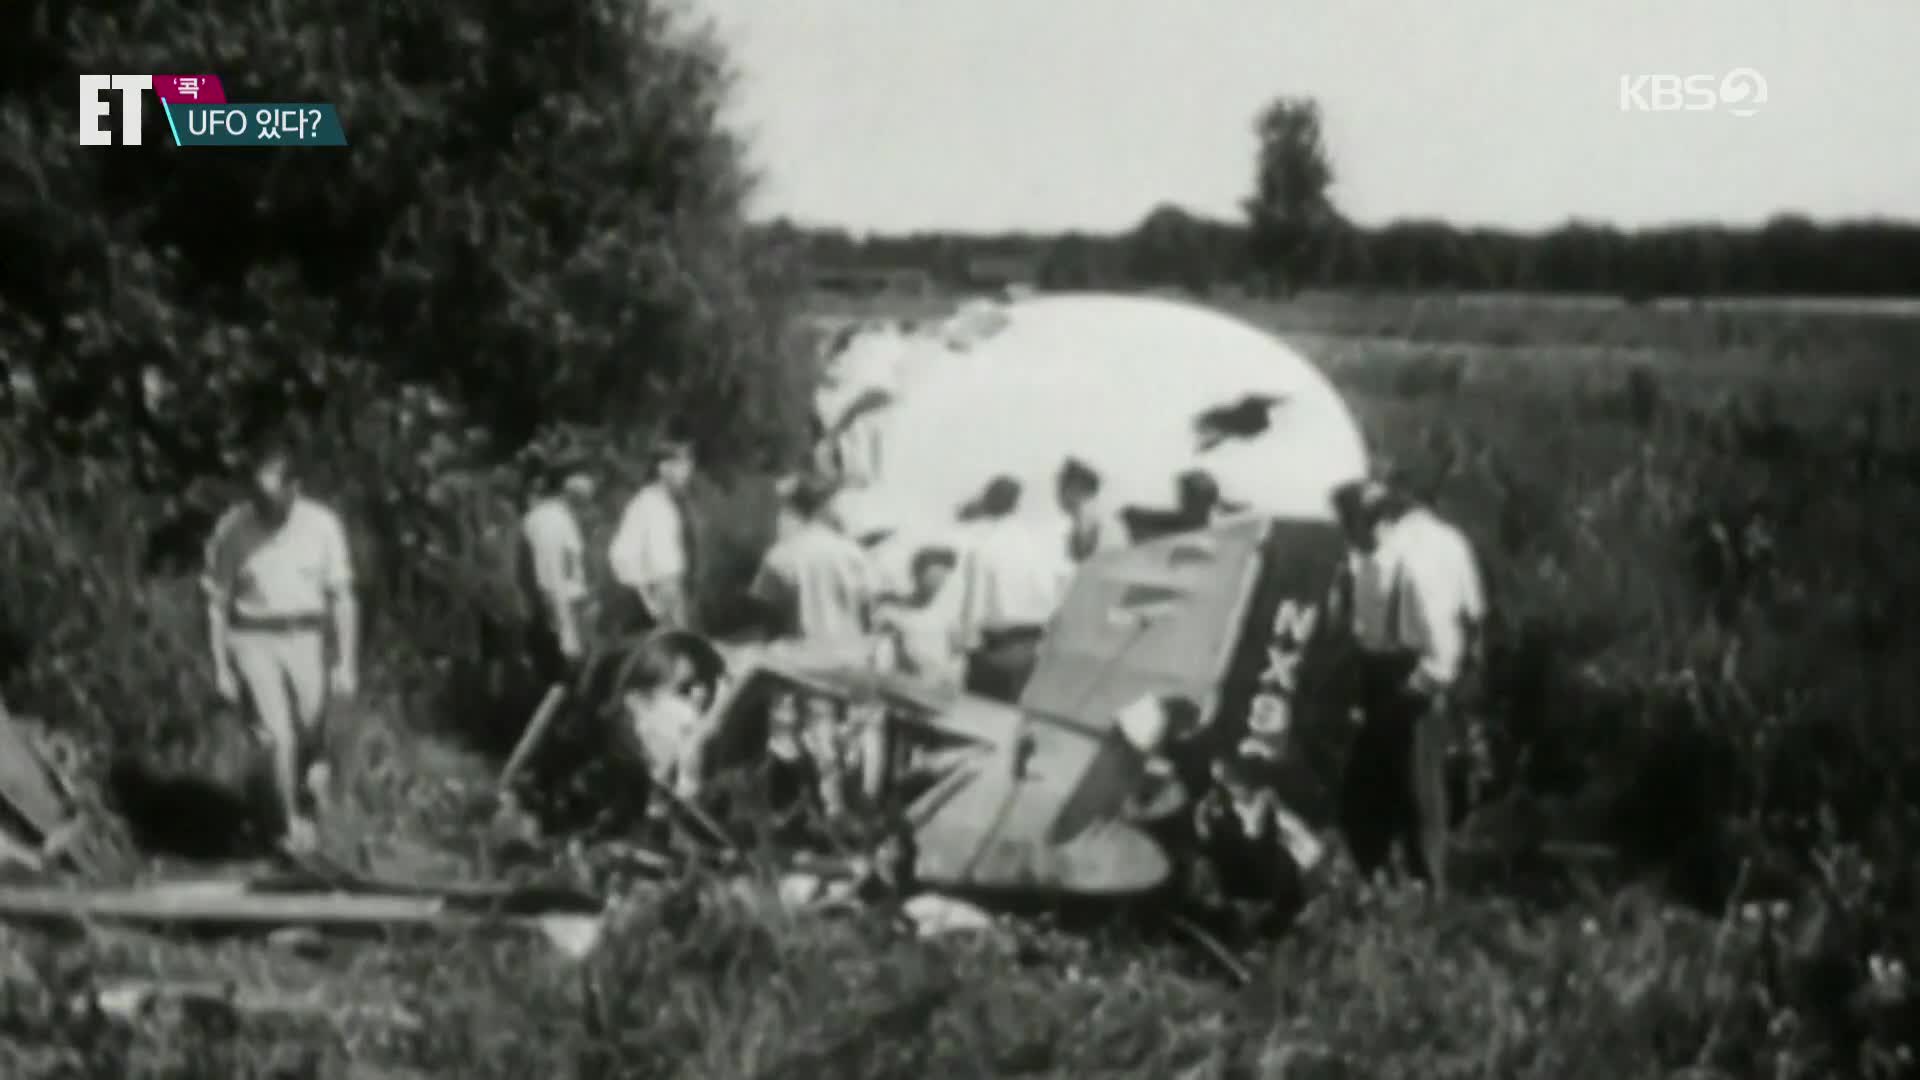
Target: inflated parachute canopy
(1140, 388)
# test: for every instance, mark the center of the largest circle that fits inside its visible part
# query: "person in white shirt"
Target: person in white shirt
(552, 571)
(1458, 599)
(1420, 532)
(1409, 656)
(1010, 581)
(1090, 530)
(280, 598)
(816, 585)
(915, 637)
(651, 556)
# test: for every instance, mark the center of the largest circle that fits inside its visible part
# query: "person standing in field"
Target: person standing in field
(915, 638)
(1459, 599)
(1410, 656)
(283, 626)
(652, 556)
(553, 573)
(1011, 579)
(1090, 530)
(1422, 533)
(816, 585)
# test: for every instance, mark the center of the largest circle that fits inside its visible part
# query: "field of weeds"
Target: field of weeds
(1697, 535)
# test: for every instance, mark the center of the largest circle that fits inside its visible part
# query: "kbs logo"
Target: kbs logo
(1739, 92)
(96, 102)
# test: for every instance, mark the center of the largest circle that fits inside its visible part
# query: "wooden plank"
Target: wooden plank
(218, 908)
(316, 874)
(132, 998)
(197, 904)
(536, 733)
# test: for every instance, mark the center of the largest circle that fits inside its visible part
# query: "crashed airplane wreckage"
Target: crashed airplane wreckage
(1165, 657)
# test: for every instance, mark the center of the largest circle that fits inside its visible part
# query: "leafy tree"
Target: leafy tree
(1173, 247)
(537, 227)
(538, 218)
(1290, 207)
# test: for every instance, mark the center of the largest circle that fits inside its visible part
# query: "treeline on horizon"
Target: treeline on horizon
(1174, 248)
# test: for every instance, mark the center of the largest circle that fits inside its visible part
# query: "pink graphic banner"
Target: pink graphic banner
(190, 89)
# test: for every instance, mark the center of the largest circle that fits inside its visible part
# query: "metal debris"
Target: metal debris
(38, 823)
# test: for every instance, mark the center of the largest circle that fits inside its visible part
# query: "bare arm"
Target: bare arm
(1473, 605)
(344, 606)
(1436, 638)
(346, 629)
(872, 587)
(566, 623)
(217, 638)
(557, 571)
(962, 597)
(771, 596)
(216, 585)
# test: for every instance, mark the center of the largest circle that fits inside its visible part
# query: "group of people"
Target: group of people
(972, 613)
(284, 631)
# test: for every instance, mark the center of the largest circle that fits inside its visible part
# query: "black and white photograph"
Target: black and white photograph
(883, 540)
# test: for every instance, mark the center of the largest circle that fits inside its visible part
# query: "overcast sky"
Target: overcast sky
(1047, 114)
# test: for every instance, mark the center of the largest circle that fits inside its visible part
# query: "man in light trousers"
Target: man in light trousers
(283, 626)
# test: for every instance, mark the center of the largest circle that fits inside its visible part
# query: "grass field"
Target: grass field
(1830, 338)
(1697, 528)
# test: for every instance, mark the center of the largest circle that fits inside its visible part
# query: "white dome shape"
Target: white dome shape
(1118, 382)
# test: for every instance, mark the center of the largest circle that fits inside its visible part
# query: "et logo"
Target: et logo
(96, 101)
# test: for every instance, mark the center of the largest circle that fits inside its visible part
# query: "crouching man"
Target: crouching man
(283, 627)
(1259, 852)
(664, 725)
